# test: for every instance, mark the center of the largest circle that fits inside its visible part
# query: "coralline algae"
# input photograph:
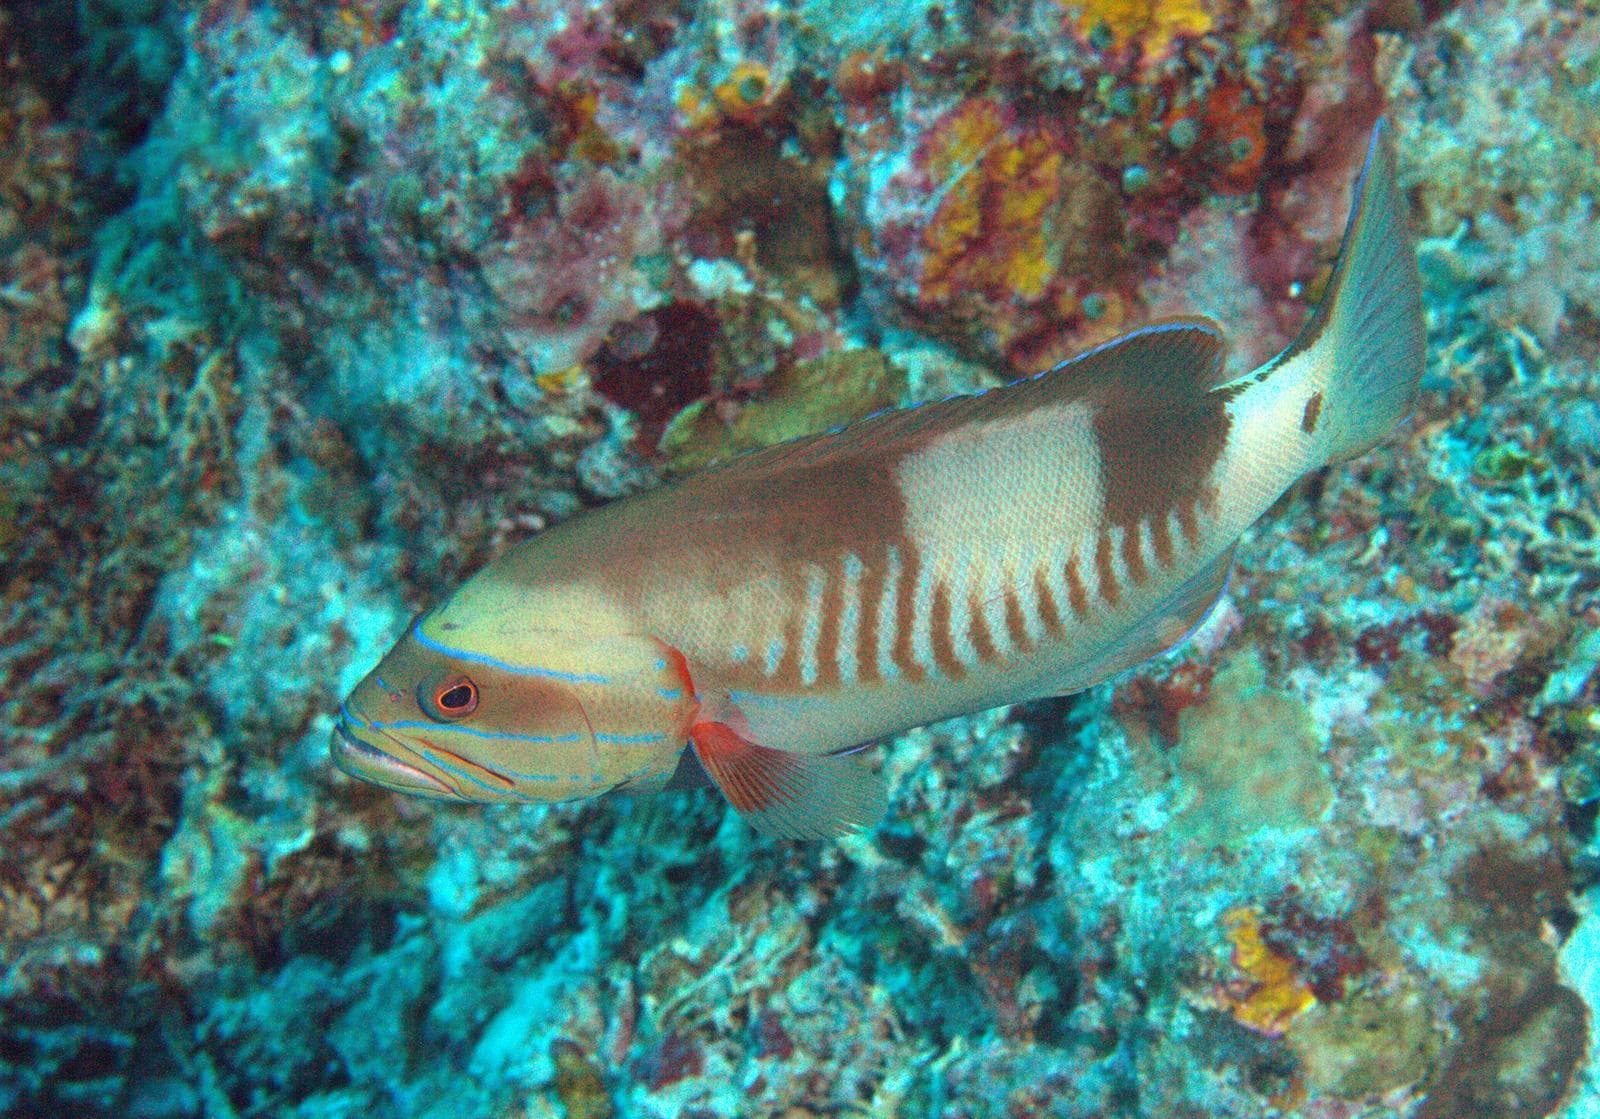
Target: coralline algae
(306, 310)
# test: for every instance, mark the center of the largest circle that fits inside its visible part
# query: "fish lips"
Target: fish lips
(360, 758)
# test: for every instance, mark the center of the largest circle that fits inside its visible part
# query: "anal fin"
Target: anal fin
(1166, 627)
(792, 796)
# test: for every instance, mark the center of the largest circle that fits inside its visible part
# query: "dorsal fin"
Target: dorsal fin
(1156, 366)
(838, 491)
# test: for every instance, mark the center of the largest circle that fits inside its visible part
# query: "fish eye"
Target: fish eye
(454, 698)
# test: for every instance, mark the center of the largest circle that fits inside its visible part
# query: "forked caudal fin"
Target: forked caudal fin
(1367, 341)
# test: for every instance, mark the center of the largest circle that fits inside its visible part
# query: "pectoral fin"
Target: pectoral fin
(792, 796)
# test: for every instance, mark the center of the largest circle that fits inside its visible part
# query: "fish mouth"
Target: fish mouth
(361, 758)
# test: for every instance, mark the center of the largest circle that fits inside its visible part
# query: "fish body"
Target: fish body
(753, 624)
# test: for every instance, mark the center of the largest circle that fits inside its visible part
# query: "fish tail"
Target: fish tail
(1366, 342)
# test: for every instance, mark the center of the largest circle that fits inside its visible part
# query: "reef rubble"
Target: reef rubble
(307, 310)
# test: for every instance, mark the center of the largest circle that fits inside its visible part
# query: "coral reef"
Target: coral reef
(308, 310)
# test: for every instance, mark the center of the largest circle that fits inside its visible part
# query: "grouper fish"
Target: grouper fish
(752, 626)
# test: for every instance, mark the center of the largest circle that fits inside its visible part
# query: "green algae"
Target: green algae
(1249, 757)
(998, 862)
(805, 398)
(1369, 1044)
(578, 1083)
(1503, 463)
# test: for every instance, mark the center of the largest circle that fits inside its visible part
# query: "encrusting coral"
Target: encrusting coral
(308, 310)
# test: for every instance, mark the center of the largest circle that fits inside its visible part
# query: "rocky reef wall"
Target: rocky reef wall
(307, 310)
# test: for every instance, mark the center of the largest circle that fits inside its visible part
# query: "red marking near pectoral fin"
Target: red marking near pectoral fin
(680, 665)
(677, 666)
(753, 778)
(794, 796)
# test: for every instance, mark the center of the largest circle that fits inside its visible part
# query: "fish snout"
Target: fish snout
(355, 751)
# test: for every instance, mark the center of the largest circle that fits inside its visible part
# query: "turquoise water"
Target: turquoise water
(307, 312)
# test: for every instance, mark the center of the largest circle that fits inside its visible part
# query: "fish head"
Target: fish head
(461, 712)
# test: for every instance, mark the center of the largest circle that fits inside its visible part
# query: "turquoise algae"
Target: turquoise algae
(308, 311)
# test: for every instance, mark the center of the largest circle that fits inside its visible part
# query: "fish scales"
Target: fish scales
(1012, 489)
(751, 625)
(994, 511)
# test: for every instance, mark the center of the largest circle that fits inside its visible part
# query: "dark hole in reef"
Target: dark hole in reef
(642, 31)
(750, 180)
(901, 844)
(1564, 919)
(681, 874)
(335, 932)
(677, 367)
(1272, 1073)
(95, 1059)
(50, 47)
(105, 65)
(1052, 1026)
(15, 1050)
(1580, 818)
(56, 375)
(1433, 9)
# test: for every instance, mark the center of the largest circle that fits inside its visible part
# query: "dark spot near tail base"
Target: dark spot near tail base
(1308, 422)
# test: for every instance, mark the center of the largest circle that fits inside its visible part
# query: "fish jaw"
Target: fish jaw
(360, 757)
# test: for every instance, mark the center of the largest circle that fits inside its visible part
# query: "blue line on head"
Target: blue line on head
(628, 739)
(505, 666)
(458, 771)
(670, 693)
(545, 777)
